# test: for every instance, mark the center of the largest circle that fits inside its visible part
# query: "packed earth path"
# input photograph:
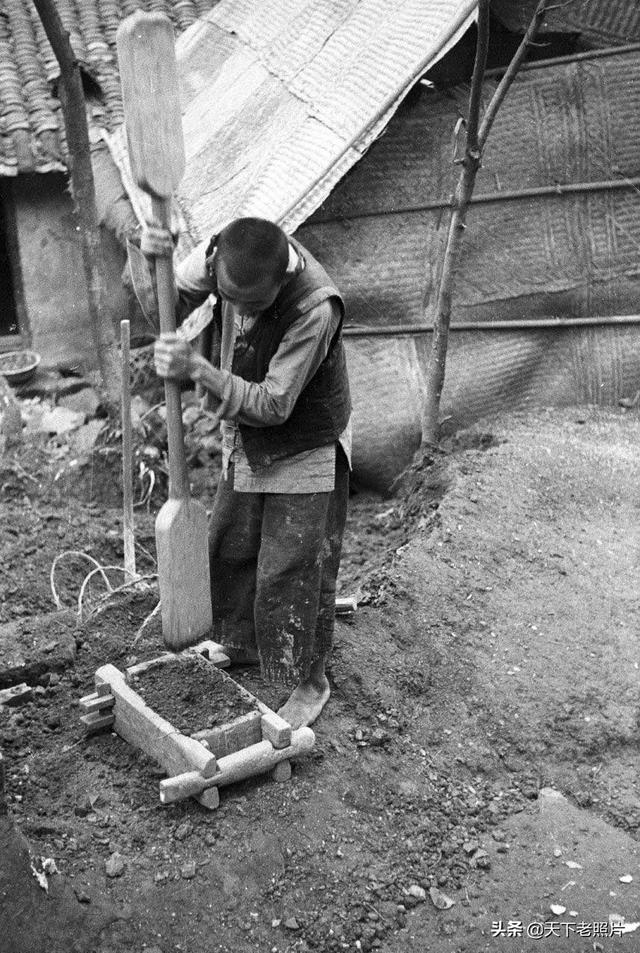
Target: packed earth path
(474, 784)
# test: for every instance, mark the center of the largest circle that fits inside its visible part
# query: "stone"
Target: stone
(439, 899)
(83, 440)
(60, 420)
(184, 831)
(85, 402)
(16, 695)
(115, 865)
(481, 860)
(83, 807)
(291, 924)
(417, 892)
(139, 407)
(188, 870)
(32, 647)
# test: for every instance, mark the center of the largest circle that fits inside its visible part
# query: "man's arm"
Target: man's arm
(303, 348)
(270, 402)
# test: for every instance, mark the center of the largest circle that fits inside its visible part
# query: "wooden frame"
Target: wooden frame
(255, 743)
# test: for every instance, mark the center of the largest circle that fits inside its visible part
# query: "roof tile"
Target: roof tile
(31, 125)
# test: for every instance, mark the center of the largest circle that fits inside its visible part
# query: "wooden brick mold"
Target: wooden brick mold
(258, 742)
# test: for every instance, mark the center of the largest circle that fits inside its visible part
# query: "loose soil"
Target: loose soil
(494, 654)
(191, 694)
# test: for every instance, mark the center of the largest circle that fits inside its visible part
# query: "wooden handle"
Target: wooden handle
(178, 475)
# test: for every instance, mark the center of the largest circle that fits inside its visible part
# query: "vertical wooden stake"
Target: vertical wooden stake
(127, 475)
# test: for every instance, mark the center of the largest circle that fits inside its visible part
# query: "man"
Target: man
(278, 371)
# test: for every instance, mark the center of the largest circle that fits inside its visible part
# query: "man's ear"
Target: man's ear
(210, 255)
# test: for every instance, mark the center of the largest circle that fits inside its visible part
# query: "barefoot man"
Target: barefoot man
(277, 370)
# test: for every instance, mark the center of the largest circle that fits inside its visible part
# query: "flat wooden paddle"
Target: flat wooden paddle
(149, 76)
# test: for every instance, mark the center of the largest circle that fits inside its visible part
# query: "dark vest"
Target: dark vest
(322, 409)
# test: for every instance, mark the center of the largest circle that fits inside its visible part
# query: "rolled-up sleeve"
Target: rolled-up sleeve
(303, 348)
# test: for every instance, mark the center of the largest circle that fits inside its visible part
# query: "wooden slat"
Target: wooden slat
(274, 728)
(257, 759)
(96, 702)
(212, 652)
(142, 727)
(96, 721)
(240, 733)
(134, 670)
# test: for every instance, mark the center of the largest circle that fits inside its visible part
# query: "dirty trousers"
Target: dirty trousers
(274, 559)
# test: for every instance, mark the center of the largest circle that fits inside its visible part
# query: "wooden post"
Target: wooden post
(476, 138)
(83, 193)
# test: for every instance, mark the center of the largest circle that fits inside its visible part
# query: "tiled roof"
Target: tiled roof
(31, 126)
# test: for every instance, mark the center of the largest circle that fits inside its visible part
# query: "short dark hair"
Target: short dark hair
(252, 250)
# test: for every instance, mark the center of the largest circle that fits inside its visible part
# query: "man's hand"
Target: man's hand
(174, 358)
(156, 242)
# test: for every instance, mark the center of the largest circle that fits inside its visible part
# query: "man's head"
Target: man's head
(248, 261)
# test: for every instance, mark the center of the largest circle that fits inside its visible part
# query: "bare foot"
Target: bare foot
(241, 656)
(306, 703)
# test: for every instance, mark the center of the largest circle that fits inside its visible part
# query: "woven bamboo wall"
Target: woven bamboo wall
(607, 23)
(572, 255)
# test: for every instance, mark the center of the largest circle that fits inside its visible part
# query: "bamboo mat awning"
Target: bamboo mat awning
(31, 126)
(282, 97)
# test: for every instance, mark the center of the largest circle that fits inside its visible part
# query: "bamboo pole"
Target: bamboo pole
(505, 195)
(395, 330)
(570, 58)
(127, 449)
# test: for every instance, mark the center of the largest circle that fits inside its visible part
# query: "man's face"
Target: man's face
(246, 301)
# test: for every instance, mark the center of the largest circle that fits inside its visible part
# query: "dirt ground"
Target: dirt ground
(477, 764)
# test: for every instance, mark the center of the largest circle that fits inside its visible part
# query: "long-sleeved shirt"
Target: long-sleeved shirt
(270, 402)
